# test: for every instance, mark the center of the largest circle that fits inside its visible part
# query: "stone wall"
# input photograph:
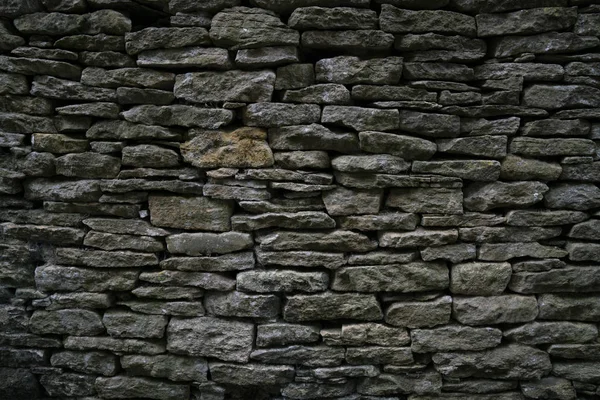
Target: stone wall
(299, 199)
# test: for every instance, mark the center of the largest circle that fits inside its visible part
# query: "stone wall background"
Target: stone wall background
(299, 199)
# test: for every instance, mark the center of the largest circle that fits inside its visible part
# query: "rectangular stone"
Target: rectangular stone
(332, 306)
(238, 86)
(202, 213)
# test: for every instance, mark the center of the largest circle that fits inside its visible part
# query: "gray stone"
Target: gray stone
(361, 119)
(58, 143)
(294, 76)
(581, 172)
(265, 281)
(454, 253)
(569, 307)
(353, 70)
(454, 337)
(59, 301)
(570, 279)
(54, 88)
(13, 84)
(411, 277)
(47, 189)
(283, 334)
(114, 345)
(281, 114)
(420, 314)
(342, 201)
(208, 336)
(391, 93)
(286, 7)
(538, 265)
(352, 41)
(583, 251)
(242, 305)
(119, 387)
(132, 325)
(426, 200)
(474, 170)
(326, 93)
(556, 127)
(417, 238)
(312, 137)
(340, 241)
(379, 354)
(205, 87)
(93, 362)
(23, 123)
(158, 38)
(245, 28)
(100, 110)
(88, 165)
(167, 292)
(190, 213)
(482, 126)
(182, 115)
(54, 277)
(513, 71)
(433, 47)
(308, 18)
(175, 368)
(66, 322)
(204, 280)
(68, 384)
(480, 146)
(104, 259)
(42, 233)
(480, 279)
(429, 382)
(507, 234)
(573, 196)
(518, 168)
(332, 306)
(370, 333)
(210, 6)
(506, 251)
(120, 130)
(299, 220)
(437, 71)
(382, 221)
(124, 226)
(553, 42)
(300, 258)
(487, 196)
(309, 356)
(55, 24)
(549, 388)
(396, 20)
(536, 333)
(266, 57)
(565, 96)
(302, 160)
(574, 351)
(507, 308)
(106, 59)
(585, 230)
(430, 125)
(137, 77)
(406, 147)
(551, 147)
(251, 374)
(240, 148)
(511, 361)
(530, 21)
(127, 95)
(195, 244)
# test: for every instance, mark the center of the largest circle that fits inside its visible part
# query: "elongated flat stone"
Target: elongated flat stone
(195, 244)
(332, 306)
(396, 20)
(334, 241)
(179, 115)
(536, 20)
(205, 87)
(507, 308)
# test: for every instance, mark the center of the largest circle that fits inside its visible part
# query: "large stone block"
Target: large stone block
(332, 306)
(201, 213)
(206, 87)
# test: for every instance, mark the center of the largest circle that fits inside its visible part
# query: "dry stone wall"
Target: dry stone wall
(299, 199)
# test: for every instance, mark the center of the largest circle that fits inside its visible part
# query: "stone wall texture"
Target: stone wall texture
(299, 199)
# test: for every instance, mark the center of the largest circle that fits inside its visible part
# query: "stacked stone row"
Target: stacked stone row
(299, 199)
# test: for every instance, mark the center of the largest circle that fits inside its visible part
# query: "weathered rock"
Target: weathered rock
(480, 279)
(487, 196)
(571, 279)
(342, 201)
(507, 234)
(325, 93)
(344, 241)
(132, 325)
(190, 213)
(536, 333)
(196, 244)
(391, 384)
(411, 277)
(281, 114)
(294, 76)
(420, 314)
(312, 137)
(430, 125)
(182, 115)
(43, 233)
(556, 127)
(426, 200)
(88, 165)
(379, 354)
(454, 253)
(300, 220)
(283, 334)
(68, 384)
(454, 337)
(417, 238)
(131, 387)
(551, 147)
(382, 221)
(157, 38)
(479, 146)
(353, 70)
(124, 226)
(507, 308)
(251, 374)
(109, 241)
(58, 143)
(245, 28)
(549, 388)
(332, 306)
(396, 20)
(93, 362)
(407, 147)
(67, 322)
(361, 119)
(104, 259)
(514, 71)
(47, 189)
(506, 251)
(568, 307)
(54, 88)
(266, 57)
(300, 258)
(120, 130)
(167, 292)
(511, 361)
(238, 304)
(554, 42)
(583, 251)
(437, 71)
(573, 196)
(302, 160)
(352, 41)
(204, 87)
(240, 148)
(208, 336)
(535, 20)
(309, 356)
(370, 333)
(518, 168)
(204, 280)
(474, 170)
(54, 277)
(307, 18)
(581, 172)
(586, 230)
(114, 345)
(136, 77)
(175, 368)
(35, 66)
